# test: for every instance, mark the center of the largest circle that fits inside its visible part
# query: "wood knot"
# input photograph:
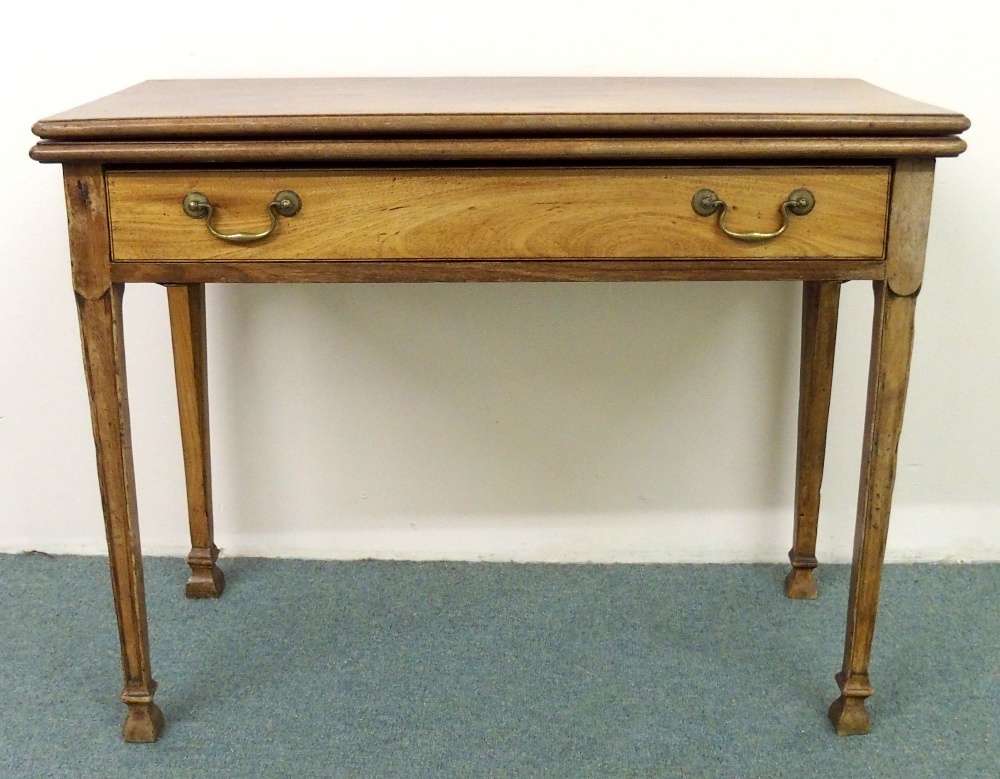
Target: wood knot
(83, 192)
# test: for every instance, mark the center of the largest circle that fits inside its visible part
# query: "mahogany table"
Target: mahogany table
(184, 183)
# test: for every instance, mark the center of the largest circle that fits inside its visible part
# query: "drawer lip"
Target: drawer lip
(555, 210)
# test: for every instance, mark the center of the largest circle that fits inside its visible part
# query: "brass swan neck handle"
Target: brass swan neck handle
(705, 203)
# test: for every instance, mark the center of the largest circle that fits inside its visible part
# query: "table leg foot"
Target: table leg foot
(849, 716)
(186, 303)
(143, 723)
(207, 579)
(800, 584)
(820, 307)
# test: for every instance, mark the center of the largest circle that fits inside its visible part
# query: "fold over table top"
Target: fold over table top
(155, 113)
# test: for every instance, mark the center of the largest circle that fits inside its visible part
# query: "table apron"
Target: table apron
(497, 270)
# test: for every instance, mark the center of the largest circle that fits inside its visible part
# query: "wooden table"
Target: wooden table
(183, 183)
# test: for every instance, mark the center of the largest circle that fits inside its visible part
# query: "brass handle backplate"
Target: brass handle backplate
(705, 203)
(285, 203)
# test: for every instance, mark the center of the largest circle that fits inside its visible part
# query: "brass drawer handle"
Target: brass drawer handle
(705, 203)
(286, 203)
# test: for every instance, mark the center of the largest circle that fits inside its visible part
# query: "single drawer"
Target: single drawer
(496, 214)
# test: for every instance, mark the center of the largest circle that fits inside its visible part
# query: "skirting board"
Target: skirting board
(923, 533)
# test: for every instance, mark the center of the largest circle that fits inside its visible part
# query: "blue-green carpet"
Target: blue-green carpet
(379, 669)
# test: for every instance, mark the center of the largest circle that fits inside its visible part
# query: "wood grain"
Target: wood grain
(892, 344)
(499, 214)
(248, 108)
(820, 308)
(186, 303)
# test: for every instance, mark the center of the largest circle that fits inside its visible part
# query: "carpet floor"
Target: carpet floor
(383, 669)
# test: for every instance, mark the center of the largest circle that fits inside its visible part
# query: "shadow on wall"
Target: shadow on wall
(369, 401)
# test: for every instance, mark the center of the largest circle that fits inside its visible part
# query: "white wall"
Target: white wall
(529, 422)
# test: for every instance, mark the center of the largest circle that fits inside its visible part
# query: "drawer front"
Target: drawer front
(490, 213)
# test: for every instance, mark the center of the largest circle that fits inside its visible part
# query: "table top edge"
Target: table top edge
(454, 107)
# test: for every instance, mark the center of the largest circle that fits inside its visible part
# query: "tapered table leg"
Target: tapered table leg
(104, 362)
(892, 342)
(187, 328)
(99, 306)
(820, 306)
